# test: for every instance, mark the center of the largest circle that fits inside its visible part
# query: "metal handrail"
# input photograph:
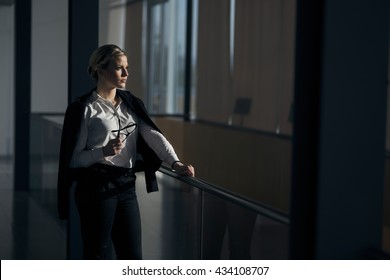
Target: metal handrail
(222, 193)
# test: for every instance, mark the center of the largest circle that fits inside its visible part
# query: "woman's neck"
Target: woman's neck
(106, 93)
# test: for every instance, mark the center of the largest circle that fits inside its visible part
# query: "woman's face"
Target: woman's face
(115, 75)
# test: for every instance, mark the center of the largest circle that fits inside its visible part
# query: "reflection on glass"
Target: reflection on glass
(234, 232)
(222, 217)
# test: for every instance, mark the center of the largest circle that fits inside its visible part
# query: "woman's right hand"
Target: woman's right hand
(113, 147)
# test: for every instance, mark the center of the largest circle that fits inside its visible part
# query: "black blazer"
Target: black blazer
(147, 160)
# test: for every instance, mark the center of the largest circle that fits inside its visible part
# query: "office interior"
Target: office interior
(281, 106)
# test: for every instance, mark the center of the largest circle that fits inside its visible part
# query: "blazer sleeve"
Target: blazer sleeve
(66, 175)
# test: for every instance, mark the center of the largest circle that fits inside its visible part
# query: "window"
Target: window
(245, 59)
(166, 57)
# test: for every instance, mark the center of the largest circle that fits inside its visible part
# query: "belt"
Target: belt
(112, 169)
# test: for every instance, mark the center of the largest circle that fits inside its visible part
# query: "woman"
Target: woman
(107, 137)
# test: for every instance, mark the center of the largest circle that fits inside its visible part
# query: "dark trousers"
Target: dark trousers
(106, 220)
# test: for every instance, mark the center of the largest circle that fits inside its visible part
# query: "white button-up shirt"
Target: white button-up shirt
(101, 123)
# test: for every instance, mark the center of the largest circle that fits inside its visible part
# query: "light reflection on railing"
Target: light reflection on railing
(229, 196)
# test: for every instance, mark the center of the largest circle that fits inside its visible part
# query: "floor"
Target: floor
(28, 230)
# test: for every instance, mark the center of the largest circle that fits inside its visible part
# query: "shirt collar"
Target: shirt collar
(95, 97)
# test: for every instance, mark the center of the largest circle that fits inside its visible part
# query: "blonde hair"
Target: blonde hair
(101, 57)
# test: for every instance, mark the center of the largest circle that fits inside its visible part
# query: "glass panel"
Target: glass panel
(245, 63)
(234, 232)
(243, 55)
(45, 147)
(158, 58)
(170, 219)
(177, 54)
(166, 57)
(183, 222)
(7, 82)
(48, 21)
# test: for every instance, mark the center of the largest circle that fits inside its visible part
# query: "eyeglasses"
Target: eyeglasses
(126, 131)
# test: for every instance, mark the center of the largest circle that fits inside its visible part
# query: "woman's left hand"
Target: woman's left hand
(184, 170)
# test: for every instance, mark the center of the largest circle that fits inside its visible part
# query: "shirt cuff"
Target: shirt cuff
(172, 160)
